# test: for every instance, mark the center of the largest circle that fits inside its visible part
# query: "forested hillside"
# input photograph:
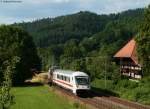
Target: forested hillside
(67, 40)
(49, 31)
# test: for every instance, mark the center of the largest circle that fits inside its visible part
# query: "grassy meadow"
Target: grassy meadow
(39, 97)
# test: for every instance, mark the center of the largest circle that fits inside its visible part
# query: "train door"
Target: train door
(73, 84)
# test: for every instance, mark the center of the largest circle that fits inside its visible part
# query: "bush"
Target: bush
(135, 91)
(17, 42)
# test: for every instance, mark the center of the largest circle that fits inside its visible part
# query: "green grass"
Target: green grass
(137, 92)
(39, 98)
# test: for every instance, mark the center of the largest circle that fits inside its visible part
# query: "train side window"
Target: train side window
(68, 79)
(57, 76)
(61, 77)
(65, 78)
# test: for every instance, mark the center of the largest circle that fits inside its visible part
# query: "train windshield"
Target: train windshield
(82, 80)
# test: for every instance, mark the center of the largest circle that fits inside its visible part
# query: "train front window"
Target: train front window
(82, 80)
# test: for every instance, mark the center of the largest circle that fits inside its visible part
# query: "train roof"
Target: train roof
(69, 72)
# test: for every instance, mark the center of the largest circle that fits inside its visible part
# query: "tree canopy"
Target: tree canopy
(16, 42)
(84, 24)
(143, 41)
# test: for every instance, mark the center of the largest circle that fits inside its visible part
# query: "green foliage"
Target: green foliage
(102, 84)
(105, 42)
(71, 49)
(17, 42)
(50, 56)
(87, 42)
(112, 38)
(68, 40)
(113, 72)
(6, 98)
(143, 41)
(59, 30)
(134, 91)
(138, 92)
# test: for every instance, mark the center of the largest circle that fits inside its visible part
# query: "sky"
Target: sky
(28, 10)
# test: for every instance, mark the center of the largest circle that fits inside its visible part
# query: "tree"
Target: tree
(16, 42)
(143, 42)
(6, 98)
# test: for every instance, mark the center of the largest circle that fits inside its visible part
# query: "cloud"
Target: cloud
(10, 20)
(36, 2)
(112, 6)
(35, 9)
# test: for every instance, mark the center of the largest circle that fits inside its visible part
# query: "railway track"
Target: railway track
(120, 102)
(100, 101)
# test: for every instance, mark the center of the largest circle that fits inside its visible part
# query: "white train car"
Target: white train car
(75, 81)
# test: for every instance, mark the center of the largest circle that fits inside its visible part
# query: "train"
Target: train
(76, 81)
